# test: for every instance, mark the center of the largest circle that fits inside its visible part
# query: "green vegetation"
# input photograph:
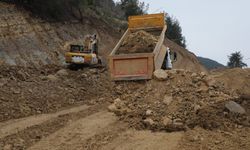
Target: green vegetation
(236, 60)
(174, 31)
(133, 7)
(209, 63)
(62, 10)
(106, 10)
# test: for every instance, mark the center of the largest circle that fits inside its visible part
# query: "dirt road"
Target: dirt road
(14, 126)
(97, 130)
(61, 109)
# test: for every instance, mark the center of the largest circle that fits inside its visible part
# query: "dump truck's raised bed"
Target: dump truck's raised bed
(139, 66)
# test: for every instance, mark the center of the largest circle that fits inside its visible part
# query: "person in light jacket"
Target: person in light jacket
(169, 65)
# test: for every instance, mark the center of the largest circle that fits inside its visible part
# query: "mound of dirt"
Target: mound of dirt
(138, 42)
(186, 100)
(236, 79)
(29, 91)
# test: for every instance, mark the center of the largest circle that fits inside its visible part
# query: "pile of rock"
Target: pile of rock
(138, 42)
(181, 100)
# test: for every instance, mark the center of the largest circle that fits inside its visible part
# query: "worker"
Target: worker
(168, 60)
(94, 44)
(175, 56)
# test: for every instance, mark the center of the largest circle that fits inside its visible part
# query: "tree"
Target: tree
(236, 60)
(56, 9)
(133, 7)
(174, 31)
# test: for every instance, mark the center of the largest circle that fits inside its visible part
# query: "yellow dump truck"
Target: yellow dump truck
(139, 66)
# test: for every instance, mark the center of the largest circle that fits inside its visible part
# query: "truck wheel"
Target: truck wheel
(73, 67)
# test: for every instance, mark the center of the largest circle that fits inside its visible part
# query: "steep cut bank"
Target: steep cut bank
(185, 59)
(29, 41)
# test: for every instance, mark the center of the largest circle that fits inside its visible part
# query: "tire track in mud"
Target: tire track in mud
(33, 134)
(105, 137)
(14, 126)
(73, 135)
(145, 140)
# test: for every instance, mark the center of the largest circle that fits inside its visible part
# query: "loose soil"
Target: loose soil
(138, 42)
(187, 101)
(51, 107)
(28, 91)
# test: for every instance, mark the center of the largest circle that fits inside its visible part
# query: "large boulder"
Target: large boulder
(160, 75)
(62, 72)
(235, 107)
(51, 77)
(118, 107)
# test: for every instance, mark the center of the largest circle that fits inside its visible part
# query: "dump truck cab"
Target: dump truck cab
(78, 54)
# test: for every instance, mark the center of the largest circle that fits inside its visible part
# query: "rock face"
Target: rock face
(160, 75)
(235, 107)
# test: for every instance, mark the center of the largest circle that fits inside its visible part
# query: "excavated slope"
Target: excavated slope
(26, 41)
(185, 59)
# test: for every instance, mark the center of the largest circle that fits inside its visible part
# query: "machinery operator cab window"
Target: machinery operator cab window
(78, 49)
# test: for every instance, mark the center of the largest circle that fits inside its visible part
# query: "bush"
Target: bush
(174, 31)
(133, 7)
(236, 60)
(55, 9)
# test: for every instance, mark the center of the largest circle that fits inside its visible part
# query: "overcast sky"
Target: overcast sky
(213, 28)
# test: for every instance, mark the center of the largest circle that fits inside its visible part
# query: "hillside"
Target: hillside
(185, 59)
(44, 105)
(29, 41)
(210, 64)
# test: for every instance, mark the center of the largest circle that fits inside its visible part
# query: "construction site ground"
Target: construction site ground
(51, 107)
(56, 108)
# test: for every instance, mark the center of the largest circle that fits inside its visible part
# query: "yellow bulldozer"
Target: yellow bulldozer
(86, 54)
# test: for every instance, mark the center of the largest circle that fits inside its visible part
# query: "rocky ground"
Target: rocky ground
(51, 107)
(30, 91)
(185, 100)
(55, 108)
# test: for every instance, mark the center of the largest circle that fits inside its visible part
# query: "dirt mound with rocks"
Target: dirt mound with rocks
(29, 91)
(138, 42)
(236, 79)
(185, 100)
